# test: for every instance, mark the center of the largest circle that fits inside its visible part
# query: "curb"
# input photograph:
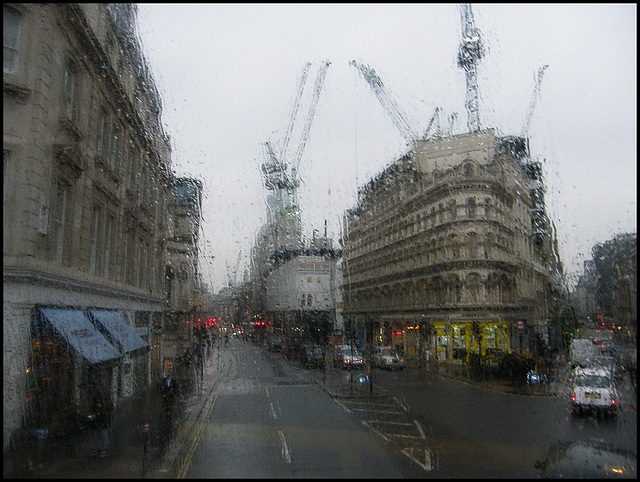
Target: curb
(167, 467)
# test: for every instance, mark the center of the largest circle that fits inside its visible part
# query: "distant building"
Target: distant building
(86, 179)
(447, 250)
(181, 274)
(302, 291)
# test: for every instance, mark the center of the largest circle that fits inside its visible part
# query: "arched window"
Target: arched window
(474, 288)
(453, 210)
(489, 241)
(472, 245)
(471, 207)
(468, 169)
(455, 246)
(454, 289)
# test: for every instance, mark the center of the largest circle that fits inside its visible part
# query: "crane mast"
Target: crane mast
(532, 105)
(296, 105)
(469, 55)
(385, 99)
(278, 178)
(312, 111)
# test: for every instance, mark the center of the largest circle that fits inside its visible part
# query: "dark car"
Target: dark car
(291, 349)
(275, 343)
(311, 356)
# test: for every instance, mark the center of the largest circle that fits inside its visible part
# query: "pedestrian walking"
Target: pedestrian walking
(169, 394)
(102, 410)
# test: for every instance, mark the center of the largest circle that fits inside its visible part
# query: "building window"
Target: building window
(11, 26)
(70, 90)
(455, 247)
(471, 207)
(95, 260)
(109, 246)
(473, 287)
(468, 170)
(102, 145)
(487, 208)
(453, 209)
(59, 222)
(132, 163)
(472, 245)
(116, 152)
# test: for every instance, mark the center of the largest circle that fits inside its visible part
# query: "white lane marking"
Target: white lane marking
(285, 450)
(389, 422)
(273, 412)
(377, 432)
(343, 407)
(390, 412)
(420, 430)
(427, 465)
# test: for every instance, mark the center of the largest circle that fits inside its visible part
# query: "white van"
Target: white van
(593, 389)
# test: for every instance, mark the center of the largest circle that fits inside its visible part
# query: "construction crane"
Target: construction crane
(435, 117)
(469, 54)
(277, 175)
(322, 72)
(390, 105)
(296, 105)
(532, 105)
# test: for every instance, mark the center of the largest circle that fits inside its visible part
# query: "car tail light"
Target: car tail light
(573, 397)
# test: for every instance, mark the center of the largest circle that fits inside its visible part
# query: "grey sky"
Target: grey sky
(228, 75)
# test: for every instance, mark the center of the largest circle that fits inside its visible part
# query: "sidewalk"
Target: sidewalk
(127, 458)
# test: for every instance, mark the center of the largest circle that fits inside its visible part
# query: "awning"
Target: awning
(118, 331)
(76, 327)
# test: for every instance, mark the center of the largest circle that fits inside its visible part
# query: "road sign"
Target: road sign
(521, 325)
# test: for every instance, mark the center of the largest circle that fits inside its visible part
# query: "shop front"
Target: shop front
(455, 340)
(70, 358)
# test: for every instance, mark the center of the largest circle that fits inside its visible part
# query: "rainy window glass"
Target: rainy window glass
(300, 240)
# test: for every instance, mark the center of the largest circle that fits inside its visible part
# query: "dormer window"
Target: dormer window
(468, 169)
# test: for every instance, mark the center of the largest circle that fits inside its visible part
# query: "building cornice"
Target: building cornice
(38, 277)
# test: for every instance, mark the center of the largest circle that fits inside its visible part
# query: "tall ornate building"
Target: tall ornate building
(86, 176)
(446, 250)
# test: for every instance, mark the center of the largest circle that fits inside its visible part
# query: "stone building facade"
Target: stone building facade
(86, 179)
(181, 274)
(445, 253)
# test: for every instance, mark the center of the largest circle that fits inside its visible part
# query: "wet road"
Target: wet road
(267, 418)
(475, 431)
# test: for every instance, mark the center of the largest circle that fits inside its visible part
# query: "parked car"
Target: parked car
(593, 389)
(347, 357)
(385, 357)
(606, 346)
(311, 356)
(291, 349)
(275, 343)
